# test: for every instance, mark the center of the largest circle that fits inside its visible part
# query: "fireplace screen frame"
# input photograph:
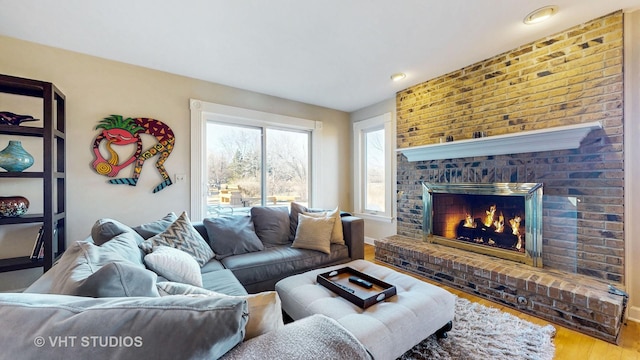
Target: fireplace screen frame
(532, 193)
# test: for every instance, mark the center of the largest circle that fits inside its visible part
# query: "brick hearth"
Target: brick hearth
(572, 300)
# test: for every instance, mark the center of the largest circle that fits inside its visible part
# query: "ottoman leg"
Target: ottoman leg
(442, 332)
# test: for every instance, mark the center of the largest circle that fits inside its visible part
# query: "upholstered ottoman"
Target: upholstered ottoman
(388, 328)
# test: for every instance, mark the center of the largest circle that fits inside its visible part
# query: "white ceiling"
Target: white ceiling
(333, 53)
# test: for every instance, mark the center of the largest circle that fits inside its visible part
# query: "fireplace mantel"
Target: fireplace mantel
(556, 138)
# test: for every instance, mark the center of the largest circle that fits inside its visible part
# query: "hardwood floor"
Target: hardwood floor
(570, 344)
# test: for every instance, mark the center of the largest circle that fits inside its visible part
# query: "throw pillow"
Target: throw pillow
(297, 209)
(314, 233)
(265, 312)
(337, 236)
(106, 229)
(156, 227)
(181, 235)
(271, 224)
(232, 235)
(145, 328)
(174, 265)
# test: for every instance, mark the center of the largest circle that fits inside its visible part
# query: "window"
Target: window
(243, 158)
(374, 167)
(374, 170)
(239, 176)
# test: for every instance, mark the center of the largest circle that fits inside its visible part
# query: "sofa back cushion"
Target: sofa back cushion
(106, 229)
(155, 227)
(232, 235)
(69, 327)
(271, 224)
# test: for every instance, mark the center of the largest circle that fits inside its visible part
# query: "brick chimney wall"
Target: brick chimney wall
(572, 77)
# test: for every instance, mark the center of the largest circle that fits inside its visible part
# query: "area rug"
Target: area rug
(481, 332)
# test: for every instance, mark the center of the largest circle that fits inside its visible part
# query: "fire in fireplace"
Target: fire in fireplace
(499, 219)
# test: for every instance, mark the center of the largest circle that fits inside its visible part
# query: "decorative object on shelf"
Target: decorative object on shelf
(14, 157)
(9, 118)
(119, 131)
(13, 206)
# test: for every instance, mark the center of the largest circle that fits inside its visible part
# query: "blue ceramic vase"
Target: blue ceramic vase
(14, 157)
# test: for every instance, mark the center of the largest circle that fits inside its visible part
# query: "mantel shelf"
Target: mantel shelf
(556, 138)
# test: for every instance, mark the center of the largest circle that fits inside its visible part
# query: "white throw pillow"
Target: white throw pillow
(265, 311)
(337, 236)
(174, 265)
(314, 233)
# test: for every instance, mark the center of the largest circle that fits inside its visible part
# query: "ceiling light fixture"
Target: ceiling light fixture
(540, 15)
(398, 76)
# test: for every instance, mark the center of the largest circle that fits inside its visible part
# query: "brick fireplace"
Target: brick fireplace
(571, 78)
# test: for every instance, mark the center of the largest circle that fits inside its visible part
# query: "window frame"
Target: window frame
(360, 128)
(202, 112)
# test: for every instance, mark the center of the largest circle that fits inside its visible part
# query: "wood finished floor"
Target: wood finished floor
(570, 344)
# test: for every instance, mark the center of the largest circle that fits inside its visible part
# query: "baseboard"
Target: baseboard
(633, 314)
(369, 240)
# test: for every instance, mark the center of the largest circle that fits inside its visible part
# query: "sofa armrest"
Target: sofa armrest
(353, 230)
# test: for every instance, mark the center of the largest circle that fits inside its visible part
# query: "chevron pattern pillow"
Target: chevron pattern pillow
(183, 236)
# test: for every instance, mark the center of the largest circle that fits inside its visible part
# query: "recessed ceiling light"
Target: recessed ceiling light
(398, 76)
(540, 15)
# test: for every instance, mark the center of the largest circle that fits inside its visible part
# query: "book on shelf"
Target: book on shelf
(41, 252)
(38, 244)
(53, 241)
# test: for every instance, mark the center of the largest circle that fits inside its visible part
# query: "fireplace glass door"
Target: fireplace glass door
(500, 219)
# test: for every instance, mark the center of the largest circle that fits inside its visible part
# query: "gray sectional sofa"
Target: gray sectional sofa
(137, 286)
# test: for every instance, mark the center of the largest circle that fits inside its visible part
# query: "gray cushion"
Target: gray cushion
(105, 229)
(223, 281)
(118, 280)
(156, 227)
(181, 235)
(212, 265)
(83, 259)
(277, 262)
(232, 235)
(125, 246)
(142, 328)
(271, 224)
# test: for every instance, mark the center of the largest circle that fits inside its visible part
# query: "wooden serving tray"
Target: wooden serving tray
(338, 282)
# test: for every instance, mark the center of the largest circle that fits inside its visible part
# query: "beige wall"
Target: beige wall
(632, 160)
(96, 88)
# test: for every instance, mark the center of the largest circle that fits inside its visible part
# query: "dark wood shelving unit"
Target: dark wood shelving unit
(52, 132)
(19, 263)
